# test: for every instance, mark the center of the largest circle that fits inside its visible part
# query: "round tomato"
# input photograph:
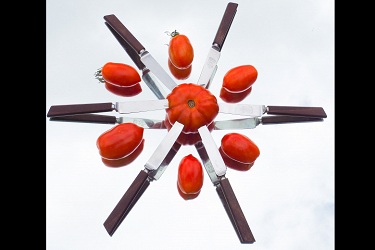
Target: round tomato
(190, 175)
(240, 78)
(192, 105)
(120, 74)
(180, 74)
(241, 151)
(120, 141)
(180, 51)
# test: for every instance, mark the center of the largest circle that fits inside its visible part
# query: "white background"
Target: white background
(287, 196)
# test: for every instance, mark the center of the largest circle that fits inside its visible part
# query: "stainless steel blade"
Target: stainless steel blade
(154, 85)
(209, 67)
(140, 106)
(142, 122)
(207, 163)
(247, 123)
(164, 147)
(212, 151)
(156, 174)
(157, 70)
(242, 109)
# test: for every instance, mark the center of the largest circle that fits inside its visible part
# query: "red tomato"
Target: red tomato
(180, 51)
(190, 175)
(192, 105)
(240, 149)
(187, 196)
(124, 91)
(120, 74)
(126, 160)
(231, 97)
(120, 141)
(180, 74)
(240, 78)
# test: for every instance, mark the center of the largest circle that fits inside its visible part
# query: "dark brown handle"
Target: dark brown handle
(123, 207)
(225, 24)
(60, 110)
(89, 118)
(124, 32)
(234, 211)
(276, 119)
(297, 111)
(131, 52)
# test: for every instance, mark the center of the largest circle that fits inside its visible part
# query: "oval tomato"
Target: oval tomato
(240, 78)
(230, 97)
(192, 105)
(180, 51)
(241, 151)
(120, 141)
(120, 74)
(190, 175)
(180, 74)
(126, 160)
(124, 91)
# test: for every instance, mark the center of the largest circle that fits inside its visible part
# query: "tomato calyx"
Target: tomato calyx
(98, 75)
(172, 34)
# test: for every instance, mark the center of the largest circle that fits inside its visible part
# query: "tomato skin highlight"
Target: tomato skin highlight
(202, 110)
(180, 74)
(190, 175)
(240, 78)
(233, 164)
(231, 97)
(180, 52)
(240, 149)
(126, 160)
(124, 91)
(120, 141)
(120, 74)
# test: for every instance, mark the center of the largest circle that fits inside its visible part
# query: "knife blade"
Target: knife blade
(147, 76)
(144, 55)
(224, 189)
(215, 50)
(154, 168)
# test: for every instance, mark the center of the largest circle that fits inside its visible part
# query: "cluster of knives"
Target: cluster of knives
(153, 74)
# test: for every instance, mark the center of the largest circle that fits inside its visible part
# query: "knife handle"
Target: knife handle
(297, 111)
(60, 110)
(234, 211)
(123, 207)
(124, 32)
(89, 118)
(225, 24)
(277, 119)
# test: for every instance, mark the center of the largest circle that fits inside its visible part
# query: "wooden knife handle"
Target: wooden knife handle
(297, 111)
(225, 24)
(89, 118)
(123, 207)
(234, 211)
(278, 119)
(113, 21)
(129, 50)
(60, 110)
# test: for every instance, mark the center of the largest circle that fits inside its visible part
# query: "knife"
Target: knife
(149, 105)
(154, 168)
(215, 50)
(144, 55)
(215, 165)
(147, 76)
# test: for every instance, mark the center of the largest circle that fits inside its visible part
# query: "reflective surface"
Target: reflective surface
(287, 196)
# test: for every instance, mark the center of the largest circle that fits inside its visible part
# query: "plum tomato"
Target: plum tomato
(190, 175)
(241, 151)
(180, 51)
(126, 160)
(231, 97)
(120, 74)
(120, 141)
(179, 74)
